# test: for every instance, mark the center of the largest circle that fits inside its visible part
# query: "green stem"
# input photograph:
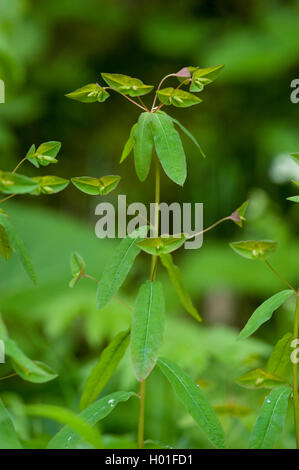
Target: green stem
(19, 164)
(154, 261)
(295, 375)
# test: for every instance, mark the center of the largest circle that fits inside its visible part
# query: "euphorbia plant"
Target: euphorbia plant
(153, 138)
(282, 367)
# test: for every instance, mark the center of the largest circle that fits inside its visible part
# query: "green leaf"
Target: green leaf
(66, 438)
(31, 371)
(169, 148)
(45, 154)
(18, 247)
(177, 97)
(264, 312)
(147, 328)
(293, 198)
(270, 422)
(13, 183)
(3, 329)
(143, 148)
(162, 245)
(49, 185)
(252, 249)
(259, 378)
(8, 435)
(295, 156)
(188, 133)
(205, 76)
(177, 282)
(238, 216)
(5, 247)
(195, 402)
(129, 145)
(116, 271)
(78, 266)
(126, 85)
(96, 186)
(90, 93)
(104, 369)
(279, 360)
(68, 417)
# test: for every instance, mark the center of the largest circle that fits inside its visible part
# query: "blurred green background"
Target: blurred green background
(246, 125)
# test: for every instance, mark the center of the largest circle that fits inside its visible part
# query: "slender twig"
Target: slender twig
(143, 104)
(295, 375)
(8, 376)
(125, 96)
(159, 86)
(19, 164)
(8, 197)
(280, 277)
(209, 228)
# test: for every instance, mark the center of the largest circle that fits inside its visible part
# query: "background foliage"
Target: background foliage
(246, 125)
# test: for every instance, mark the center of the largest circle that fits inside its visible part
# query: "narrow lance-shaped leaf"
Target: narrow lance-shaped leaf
(188, 133)
(116, 271)
(280, 360)
(169, 148)
(31, 371)
(176, 279)
(104, 369)
(270, 422)
(8, 435)
(67, 438)
(293, 198)
(147, 328)
(18, 247)
(5, 247)
(13, 183)
(129, 145)
(143, 147)
(65, 416)
(264, 312)
(195, 402)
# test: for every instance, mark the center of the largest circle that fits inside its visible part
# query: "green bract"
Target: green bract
(13, 183)
(78, 266)
(251, 249)
(177, 97)
(238, 216)
(126, 85)
(260, 378)
(202, 77)
(49, 184)
(162, 245)
(96, 186)
(90, 93)
(45, 154)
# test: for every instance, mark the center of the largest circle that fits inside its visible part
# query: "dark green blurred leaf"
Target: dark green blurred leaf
(8, 435)
(66, 438)
(5, 247)
(280, 360)
(104, 369)
(176, 279)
